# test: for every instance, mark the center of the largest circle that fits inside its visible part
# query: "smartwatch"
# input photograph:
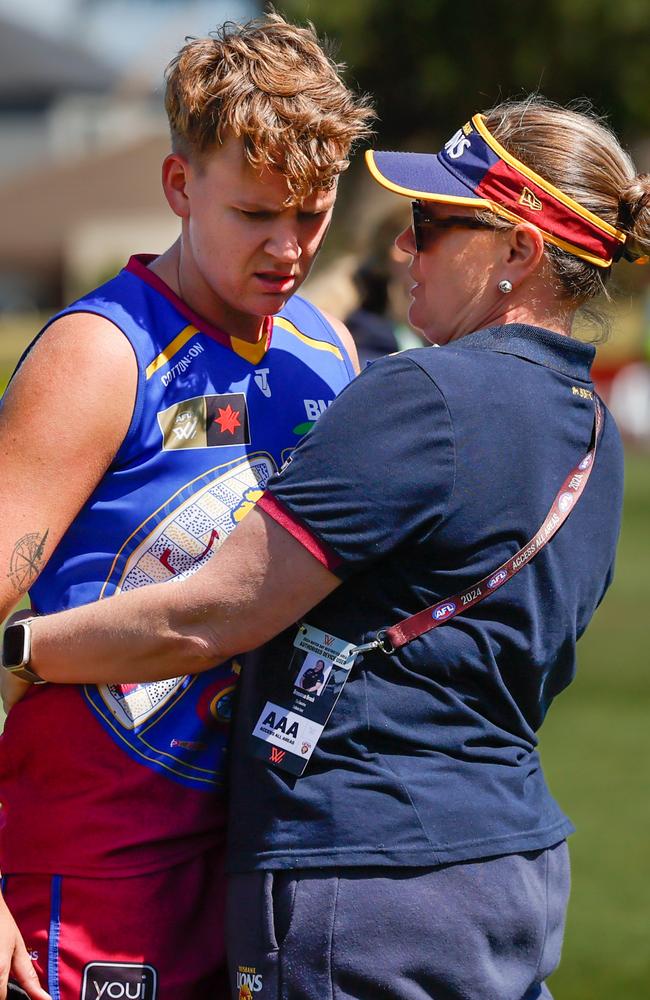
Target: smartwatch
(16, 651)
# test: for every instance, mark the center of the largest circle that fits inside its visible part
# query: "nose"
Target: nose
(406, 241)
(283, 244)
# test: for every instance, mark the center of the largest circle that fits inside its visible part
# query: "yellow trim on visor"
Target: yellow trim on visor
(444, 199)
(481, 128)
(497, 208)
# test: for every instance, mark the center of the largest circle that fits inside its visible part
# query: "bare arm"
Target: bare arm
(260, 581)
(62, 419)
(61, 422)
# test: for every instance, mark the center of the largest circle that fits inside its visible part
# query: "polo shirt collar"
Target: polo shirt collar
(543, 347)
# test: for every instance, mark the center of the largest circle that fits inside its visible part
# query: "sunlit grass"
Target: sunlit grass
(595, 750)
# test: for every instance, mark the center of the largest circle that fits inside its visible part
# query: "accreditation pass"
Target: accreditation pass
(288, 729)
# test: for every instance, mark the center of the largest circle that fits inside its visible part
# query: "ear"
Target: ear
(175, 175)
(525, 252)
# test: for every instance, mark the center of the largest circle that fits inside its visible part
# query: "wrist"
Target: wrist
(17, 651)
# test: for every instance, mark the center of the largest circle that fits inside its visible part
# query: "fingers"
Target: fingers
(12, 689)
(15, 961)
(24, 974)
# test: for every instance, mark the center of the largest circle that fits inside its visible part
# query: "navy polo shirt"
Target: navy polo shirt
(428, 471)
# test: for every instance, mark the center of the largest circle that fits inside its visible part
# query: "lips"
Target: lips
(275, 281)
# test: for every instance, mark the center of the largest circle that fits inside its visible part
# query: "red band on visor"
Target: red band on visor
(526, 199)
(565, 222)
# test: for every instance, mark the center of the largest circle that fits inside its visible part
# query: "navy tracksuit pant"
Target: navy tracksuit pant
(481, 930)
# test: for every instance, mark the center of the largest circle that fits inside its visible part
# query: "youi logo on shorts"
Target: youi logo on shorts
(443, 611)
(119, 981)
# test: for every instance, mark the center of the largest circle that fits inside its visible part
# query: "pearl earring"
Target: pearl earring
(505, 286)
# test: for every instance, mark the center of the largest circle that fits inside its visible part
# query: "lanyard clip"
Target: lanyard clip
(379, 642)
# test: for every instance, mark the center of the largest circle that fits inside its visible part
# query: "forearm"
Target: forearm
(258, 583)
(144, 635)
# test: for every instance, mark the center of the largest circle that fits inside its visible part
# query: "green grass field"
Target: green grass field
(595, 750)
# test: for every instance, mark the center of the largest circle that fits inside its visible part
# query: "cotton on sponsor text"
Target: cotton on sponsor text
(183, 364)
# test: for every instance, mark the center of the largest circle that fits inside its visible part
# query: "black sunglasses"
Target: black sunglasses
(421, 219)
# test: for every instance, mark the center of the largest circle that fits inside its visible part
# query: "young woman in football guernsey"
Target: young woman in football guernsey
(140, 427)
(394, 835)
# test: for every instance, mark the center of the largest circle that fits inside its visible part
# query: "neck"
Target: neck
(538, 302)
(176, 269)
(535, 302)
(535, 314)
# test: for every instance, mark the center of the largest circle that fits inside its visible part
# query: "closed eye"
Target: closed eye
(312, 216)
(259, 215)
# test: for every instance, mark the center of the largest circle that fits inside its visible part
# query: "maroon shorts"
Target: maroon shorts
(147, 937)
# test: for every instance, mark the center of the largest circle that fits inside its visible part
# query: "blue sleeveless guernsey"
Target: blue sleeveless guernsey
(214, 418)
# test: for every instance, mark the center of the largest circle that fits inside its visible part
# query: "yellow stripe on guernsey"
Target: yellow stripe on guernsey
(252, 353)
(318, 345)
(177, 343)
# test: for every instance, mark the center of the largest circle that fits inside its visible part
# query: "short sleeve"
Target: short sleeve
(377, 469)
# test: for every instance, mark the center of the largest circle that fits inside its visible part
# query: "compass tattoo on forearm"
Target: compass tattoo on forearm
(27, 560)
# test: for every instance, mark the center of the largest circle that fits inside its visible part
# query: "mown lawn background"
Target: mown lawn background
(596, 754)
(595, 750)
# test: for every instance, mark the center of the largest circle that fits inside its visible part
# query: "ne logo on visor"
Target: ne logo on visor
(530, 200)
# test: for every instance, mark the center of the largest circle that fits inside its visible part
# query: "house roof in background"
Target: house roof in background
(39, 209)
(34, 65)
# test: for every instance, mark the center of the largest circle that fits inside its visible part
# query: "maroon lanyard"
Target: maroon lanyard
(389, 640)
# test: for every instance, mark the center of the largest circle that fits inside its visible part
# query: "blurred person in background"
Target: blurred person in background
(408, 845)
(141, 425)
(378, 323)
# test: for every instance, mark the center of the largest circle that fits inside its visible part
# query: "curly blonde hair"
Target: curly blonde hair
(274, 85)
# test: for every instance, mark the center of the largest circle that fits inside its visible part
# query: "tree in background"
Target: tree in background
(432, 63)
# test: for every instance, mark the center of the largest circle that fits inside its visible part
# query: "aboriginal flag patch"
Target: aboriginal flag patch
(206, 422)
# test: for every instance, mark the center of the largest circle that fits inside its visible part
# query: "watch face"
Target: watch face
(13, 645)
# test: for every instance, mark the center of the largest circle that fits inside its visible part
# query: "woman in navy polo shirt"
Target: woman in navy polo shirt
(408, 846)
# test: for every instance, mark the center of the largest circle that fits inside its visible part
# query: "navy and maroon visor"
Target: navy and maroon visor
(473, 169)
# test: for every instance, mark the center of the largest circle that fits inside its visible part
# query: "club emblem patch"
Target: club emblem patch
(206, 422)
(132, 704)
(179, 726)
